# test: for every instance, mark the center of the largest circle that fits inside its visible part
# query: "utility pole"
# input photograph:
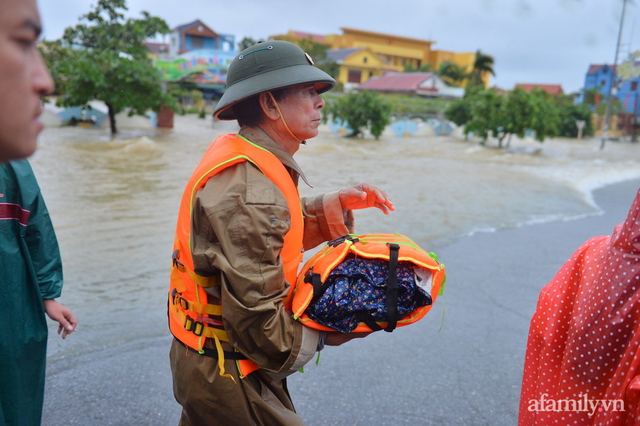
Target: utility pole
(607, 111)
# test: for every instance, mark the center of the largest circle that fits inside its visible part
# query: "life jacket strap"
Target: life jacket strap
(392, 288)
(202, 281)
(318, 287)
(189, 305)
(212, 353)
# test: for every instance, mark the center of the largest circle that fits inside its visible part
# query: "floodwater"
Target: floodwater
(114, 203)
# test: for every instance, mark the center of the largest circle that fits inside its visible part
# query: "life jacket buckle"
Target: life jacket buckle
(176, 263)
(198, 328)
(189, 323)
(340, 240)
(184, 303)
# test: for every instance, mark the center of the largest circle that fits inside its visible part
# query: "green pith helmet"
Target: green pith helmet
(265, 66)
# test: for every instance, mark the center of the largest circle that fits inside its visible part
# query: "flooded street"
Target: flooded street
(114, 203)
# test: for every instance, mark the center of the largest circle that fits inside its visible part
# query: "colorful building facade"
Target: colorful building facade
(397, 52)
(197, 54)
(603, 77)
(359, 64)
(197, 35)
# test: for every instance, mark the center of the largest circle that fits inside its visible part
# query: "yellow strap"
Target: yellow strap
(209, 332)
(199, 308)
(212, 281)
(221, 359)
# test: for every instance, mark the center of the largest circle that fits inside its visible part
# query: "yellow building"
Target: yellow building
(359, 64)
(397, 52)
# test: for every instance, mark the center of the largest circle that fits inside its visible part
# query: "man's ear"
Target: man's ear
(268, 107)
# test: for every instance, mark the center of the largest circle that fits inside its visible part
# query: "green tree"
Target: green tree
(545, 119)
(616, 106)
(520, 109)
(111, 64)
(428, 67)
(482, 64)
(361, 110)
(460, 113)
(487, 114)
(245, 43)
(451, 73)
(568, 115)
(55, 56)
(590, 96)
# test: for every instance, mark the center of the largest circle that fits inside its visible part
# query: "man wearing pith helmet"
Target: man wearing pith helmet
(241, 232)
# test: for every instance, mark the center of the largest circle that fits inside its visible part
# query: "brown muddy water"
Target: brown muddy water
(114, 203)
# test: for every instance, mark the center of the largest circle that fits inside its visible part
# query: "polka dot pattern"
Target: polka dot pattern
(585, 334)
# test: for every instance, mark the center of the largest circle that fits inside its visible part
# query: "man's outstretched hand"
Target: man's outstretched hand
(364, 196)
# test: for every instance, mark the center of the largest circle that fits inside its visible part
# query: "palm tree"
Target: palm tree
(483, 64)
(452, 73)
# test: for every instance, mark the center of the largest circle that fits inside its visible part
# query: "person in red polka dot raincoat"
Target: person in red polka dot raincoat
(583, 363)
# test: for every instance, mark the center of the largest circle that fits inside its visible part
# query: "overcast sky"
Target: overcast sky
(532, 41)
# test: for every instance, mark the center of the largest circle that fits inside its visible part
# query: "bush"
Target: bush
(361, 111)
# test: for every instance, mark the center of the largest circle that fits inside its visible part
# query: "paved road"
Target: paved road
(467, 374)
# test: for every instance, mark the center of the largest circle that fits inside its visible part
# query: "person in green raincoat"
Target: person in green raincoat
(30, 268)
(30, 280)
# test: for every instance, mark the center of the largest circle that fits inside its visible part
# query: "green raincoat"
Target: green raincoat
(30, 270)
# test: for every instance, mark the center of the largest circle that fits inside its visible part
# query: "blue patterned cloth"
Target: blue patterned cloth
(361, 285)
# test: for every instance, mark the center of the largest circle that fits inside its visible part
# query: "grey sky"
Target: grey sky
(532, 41)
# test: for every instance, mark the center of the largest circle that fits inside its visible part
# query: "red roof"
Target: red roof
(315, 37)
(552, 89)
(594, 68)
(397, 82)
(156, 47)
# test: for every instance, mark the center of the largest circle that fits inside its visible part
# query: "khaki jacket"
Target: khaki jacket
(239, 221)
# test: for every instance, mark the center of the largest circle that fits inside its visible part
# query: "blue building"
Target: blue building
(602, 76)
(197, 35)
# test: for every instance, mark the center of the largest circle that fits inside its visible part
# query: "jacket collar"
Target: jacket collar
(261, 138)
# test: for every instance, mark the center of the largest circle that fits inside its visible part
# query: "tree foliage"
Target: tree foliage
(482, 65)
(459, 112)
(487, 114)
(503, 116)
(361, 110)
(569, 114)
(245, 43)
(428, 67)
(451, 73)
(109, 62)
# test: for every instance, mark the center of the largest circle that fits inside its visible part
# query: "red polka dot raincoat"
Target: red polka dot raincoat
(583, 364)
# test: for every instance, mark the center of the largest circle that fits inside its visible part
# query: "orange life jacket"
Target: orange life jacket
(390, 247)
(191, 319)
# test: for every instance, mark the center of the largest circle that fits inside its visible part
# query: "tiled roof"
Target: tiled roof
(156, 47)
(397, 81)
(315, 37)
(594, 68)
(341, 54)
(552, 89)
(189, 25)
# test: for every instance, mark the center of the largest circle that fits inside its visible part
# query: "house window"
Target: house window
(634, 86)
(604, 70)
(364, 60)
(197, 41)
(354, 76)
(603, 82)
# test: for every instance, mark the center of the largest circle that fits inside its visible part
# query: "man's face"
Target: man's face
(301, 110)
(23, 79)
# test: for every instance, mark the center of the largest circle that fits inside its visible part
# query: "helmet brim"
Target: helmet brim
(271, 80)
